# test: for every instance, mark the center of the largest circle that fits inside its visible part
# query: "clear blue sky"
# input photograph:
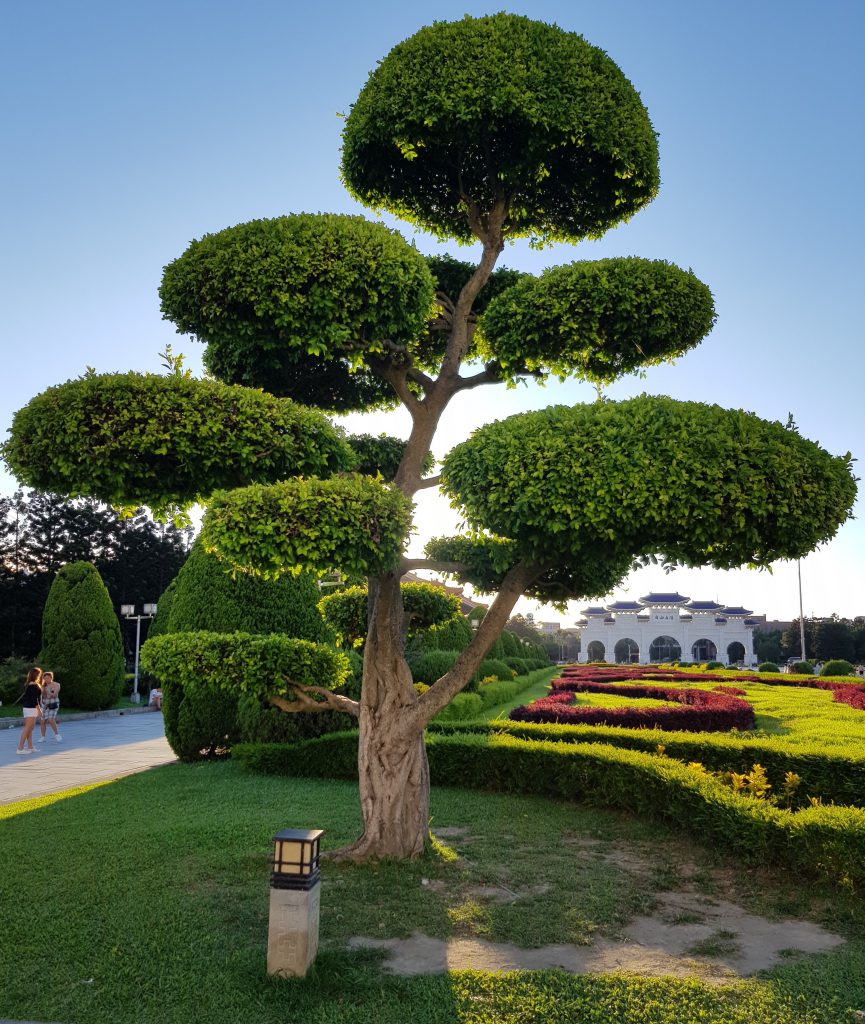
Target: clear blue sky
(132, 128)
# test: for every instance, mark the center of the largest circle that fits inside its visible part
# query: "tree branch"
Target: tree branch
(430, 481)
(408, 564)
(521, 576)
(303, 701)
(489, 375)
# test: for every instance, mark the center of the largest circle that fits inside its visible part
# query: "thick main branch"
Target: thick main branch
(305, 700)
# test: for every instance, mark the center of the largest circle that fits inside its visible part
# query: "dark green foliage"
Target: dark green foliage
(353, 684)
(381, 454)
(837, 667)
(463, 707)
(13, 673)
(820, 840)
(198, 724)
(425, 605)
(714, 665)
(519, 665)
(768, 666)
(428, 666)
(268, 295)
(354, 524)
(454, 634)
(501, 108)
(131, 438)
(239, 663)
(495, 667)
(597, 320)
(804, 668)
(161, 619)
(260, 722)
(609, 481)
(487, 559)
(81, 641)
(207, 596)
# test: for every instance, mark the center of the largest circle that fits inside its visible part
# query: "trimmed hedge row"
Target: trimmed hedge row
(824, 840)
(834, 778)
(696, 710)
(469, 705)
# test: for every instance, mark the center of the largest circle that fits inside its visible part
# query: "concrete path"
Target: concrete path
(92, 750)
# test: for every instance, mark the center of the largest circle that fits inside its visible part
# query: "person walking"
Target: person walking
(49, 706)
(30, 708)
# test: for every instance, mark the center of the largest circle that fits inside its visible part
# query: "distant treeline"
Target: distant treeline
(136, 557)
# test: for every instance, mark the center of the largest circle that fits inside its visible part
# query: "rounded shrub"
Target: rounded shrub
(206, 596)
(803, 668)
(81, 642)
(837, 667)
(768, 666)
(429, 666)
(714, 664)
(495, 667)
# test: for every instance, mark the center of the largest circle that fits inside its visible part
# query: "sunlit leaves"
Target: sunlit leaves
(501, 107)
(146, 439)
(702, 484)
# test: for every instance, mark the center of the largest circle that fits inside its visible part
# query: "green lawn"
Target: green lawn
(146, 900)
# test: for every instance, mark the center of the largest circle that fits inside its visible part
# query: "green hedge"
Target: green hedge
(490, 695)
(834, 778)
(825, 840)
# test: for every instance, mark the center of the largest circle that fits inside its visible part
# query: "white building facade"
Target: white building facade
(667, 627)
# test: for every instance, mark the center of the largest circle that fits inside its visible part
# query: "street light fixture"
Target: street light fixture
(295, 888)
(128, 612)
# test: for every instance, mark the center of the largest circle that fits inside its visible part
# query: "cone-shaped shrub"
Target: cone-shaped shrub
(81, 641)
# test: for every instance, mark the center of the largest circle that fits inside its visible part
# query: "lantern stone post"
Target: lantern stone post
(295, 889)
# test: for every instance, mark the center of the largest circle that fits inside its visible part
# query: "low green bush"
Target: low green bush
(802, 668)
(495, 667)
(198, 724)
(837, 667)
(825, 840)
(463, 706)
(768, 666)
(259, 722)
(713, 665)
(428, 666)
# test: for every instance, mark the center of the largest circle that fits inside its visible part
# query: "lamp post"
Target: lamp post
(295, 889)
(128, 612)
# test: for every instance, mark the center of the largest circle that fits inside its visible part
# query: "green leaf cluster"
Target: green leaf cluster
(241, 663)
(354, 524)
(278, 299)
(136, 438)
(208, 596)
(424, 606)
(81, 642)
(501, 107)
(597, 319)
(381, 454)
(698, 483)
(485, 560)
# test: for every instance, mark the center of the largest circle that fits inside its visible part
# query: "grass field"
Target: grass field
(145, 900)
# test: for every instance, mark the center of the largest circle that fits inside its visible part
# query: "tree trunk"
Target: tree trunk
(392, 763)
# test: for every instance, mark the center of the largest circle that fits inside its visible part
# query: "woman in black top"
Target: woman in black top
(30, 707)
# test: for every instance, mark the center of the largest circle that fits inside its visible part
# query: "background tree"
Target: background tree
(483, 130)
(39, 533)
(81, 638)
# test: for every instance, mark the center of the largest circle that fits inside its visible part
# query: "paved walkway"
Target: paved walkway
(92, 750)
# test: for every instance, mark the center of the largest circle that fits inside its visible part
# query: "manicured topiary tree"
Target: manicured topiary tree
(81, 640)
(483, 130)
(837, 667)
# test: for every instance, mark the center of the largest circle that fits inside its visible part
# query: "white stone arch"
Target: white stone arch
(665, 648)
(704, 650)
(627, 651)
(596, 651)
(735, 652)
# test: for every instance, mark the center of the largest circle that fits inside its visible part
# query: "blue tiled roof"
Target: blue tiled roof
(739, 610)
(593, 610)
(704, 606)
(624, 606)
(663, 599)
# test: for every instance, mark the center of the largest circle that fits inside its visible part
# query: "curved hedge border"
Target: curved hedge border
(817, 840)
(697, 710)
(834, 778)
